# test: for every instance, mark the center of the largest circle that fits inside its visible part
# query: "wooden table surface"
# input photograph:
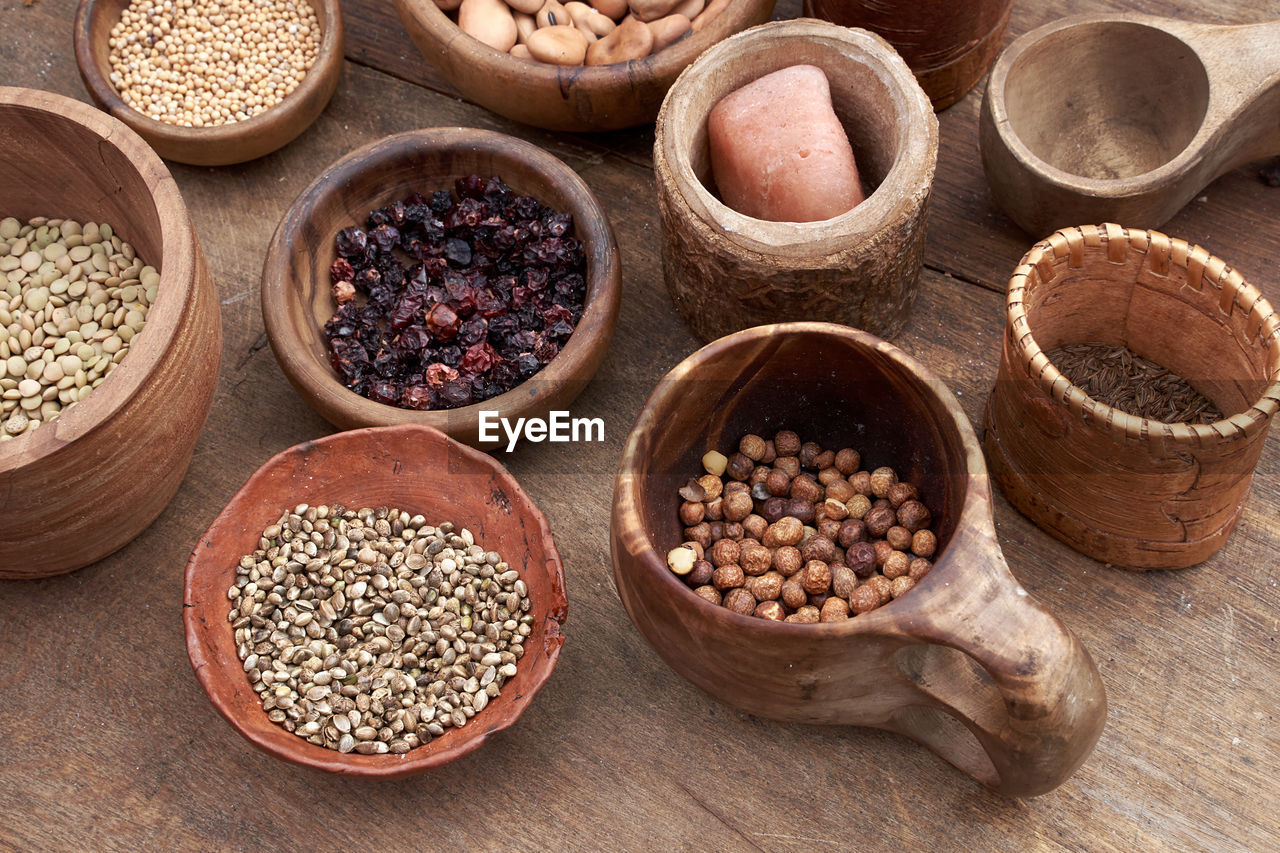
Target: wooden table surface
(110, 744)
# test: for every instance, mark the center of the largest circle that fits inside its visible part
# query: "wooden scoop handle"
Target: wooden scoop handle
(1015, 677)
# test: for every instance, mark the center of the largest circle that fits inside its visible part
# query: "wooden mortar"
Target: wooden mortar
(948, 45)
(726, 271)
(966, 663)
(1132, 492)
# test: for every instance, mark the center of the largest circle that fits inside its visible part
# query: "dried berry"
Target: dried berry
(453, 282)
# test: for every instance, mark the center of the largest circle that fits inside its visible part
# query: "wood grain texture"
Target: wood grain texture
(81, 486)
(948, 45)
(727, 271)
(1125, 118)
(112, 745)
(419, 470)
(1126, 490)
(965, 645)
(296, 298)
(577, 97)
(223, 144)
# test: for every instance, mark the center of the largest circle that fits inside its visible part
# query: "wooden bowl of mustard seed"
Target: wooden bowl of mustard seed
(301, 284)
(200, 106)
(91, 477)
(404, 625)
(966, 663)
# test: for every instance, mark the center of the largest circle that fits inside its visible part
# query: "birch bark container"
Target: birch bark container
(1132, 492)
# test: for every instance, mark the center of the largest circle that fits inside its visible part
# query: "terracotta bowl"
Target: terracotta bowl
(727, 271)
(296, 298)
(966, 663)
(578, 98)
(83, 485)
(417, 469)
(1133, 492)
(223, 144)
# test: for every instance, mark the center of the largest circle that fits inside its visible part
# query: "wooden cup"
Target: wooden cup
(966, 663)
(1125, 117)
(948, 45)
(726, 271)
(1132, 492)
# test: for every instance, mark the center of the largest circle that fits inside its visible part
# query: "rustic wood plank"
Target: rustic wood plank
(111, 745)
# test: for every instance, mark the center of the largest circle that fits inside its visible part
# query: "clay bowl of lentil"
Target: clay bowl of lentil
(394, 611)
(574, 97)
(283, 29)
(109, 333)
(300, 288)
(964, 662)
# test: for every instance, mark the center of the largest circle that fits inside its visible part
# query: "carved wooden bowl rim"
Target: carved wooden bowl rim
(296, 107)
(1066, 247)
(176, 265)
(909, 177)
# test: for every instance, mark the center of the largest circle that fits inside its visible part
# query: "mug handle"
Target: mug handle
(992, 660)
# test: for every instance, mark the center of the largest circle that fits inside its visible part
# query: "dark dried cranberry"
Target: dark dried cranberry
(502, 328)
(384, 392)
(385, 237)
(527, 363)
(535, 278)
(456, 393)
(526, 207)
(450, 355)
(472, 186)
(417, 397)
(443, 322)
(441, 201)
(477, 360)
(505, 374)
(490, 303)
(437, 374)
(559, 224)
(546, 350)
(351, 242)
(407, 310)
(457, 252)
(366, 279)
(472, 332)
(341, 270)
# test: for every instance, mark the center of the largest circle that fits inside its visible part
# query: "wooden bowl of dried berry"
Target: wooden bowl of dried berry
(802, 528)
(109, 335)
(441, 273)
(423, 594)
(598, 65)
(149, 65)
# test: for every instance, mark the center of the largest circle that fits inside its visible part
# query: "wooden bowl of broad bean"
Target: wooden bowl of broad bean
(601, 65)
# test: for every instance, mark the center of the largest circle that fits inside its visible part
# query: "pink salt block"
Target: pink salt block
(778, 152)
